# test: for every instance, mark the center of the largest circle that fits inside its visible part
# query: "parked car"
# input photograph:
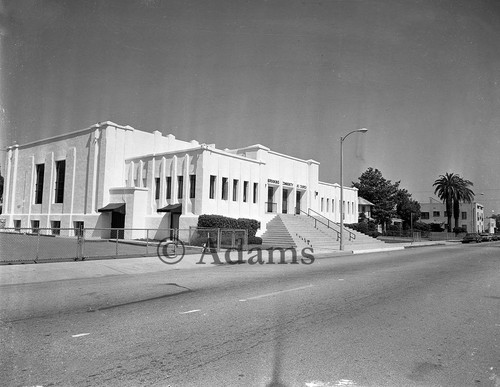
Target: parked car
(496, 237)
(485, 237)
(471, 237)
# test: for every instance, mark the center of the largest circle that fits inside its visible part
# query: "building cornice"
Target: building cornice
(202, 148)
(99, 125)
(336, 185)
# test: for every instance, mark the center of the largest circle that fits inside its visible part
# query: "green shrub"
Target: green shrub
(216, 221)
(254, 240)
(219, 221)
(421, 226)
(251, 225)
(436, 227)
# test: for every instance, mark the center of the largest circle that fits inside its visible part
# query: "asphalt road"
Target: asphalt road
(418, 317)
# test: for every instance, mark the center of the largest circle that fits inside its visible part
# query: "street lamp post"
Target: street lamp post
(362, 130)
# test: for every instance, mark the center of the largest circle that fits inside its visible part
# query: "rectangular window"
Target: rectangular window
(436, 214)
(40, 170)
(55, 225)
(192, 186)
(327, 205)
(144, 174)
(235, 190)
(35, 226)
(464, 215)
(424, 215)
(213, 180)
(157, 188)
(60, 173)
(322, 202)
(169, 187)
(17, 224)
(224, 188)
(245, 191)
(255, 191)
(79, 226)
(180, 186)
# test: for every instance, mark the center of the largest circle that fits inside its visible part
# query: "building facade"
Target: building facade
(471, 215)
(113, 176)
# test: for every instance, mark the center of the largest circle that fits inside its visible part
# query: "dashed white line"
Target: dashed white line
(190, 311)
(80, 335)
(276, 293)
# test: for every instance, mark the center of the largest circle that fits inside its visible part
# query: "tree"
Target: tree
(373, 187)
(407, 208)
(445, 187)
(462, 194)
(452, 189)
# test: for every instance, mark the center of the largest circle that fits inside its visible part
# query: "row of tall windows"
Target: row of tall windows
(235, 189)
(328, 208)
(60, 173)
(348, 207)
(180, 187)
(55, 226)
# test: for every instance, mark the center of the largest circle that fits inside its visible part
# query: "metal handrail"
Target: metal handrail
(317, 220)
(351, 235)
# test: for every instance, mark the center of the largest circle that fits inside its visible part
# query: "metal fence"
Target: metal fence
(25, 245)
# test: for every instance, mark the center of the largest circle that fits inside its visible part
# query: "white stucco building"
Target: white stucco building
(110, 175)
(471, 215)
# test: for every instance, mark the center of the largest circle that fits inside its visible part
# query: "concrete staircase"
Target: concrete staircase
(278, 235)
(299, 231)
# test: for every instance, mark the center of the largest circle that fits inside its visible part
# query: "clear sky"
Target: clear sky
(422, 75)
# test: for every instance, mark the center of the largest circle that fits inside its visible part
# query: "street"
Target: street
(417, 317)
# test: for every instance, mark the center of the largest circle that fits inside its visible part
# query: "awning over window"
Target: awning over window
(177, 208)
(116, 207)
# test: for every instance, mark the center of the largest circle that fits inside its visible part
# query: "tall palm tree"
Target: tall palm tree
(446, 187)
(462, 194)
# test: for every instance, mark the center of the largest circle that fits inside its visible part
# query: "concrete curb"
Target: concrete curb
(60, 271)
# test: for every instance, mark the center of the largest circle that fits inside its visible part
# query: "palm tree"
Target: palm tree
(446, 187)
(462, 194)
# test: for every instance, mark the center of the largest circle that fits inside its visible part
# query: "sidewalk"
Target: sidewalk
(57, 271)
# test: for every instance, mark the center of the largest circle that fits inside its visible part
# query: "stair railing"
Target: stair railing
(316, 221)
(352, 236)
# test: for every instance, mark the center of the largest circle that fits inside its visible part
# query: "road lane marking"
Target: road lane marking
(341, 382)
(80, 335)
(190, 311)
(276, 293)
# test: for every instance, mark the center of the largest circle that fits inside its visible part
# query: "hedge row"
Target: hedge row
(219, 221)
(365, 228)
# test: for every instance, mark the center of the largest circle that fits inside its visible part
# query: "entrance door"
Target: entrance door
(174, 224)
(284, 203)
(298, 197)
(117, 225)
(270, 198)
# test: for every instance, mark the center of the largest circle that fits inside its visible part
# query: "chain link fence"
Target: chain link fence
(26, 245)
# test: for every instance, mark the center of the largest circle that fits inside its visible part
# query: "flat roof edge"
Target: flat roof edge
(72, 134)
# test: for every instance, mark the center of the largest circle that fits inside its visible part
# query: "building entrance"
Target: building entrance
(298, 199)
(117, 225)
(284, 203)
(270, 204)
